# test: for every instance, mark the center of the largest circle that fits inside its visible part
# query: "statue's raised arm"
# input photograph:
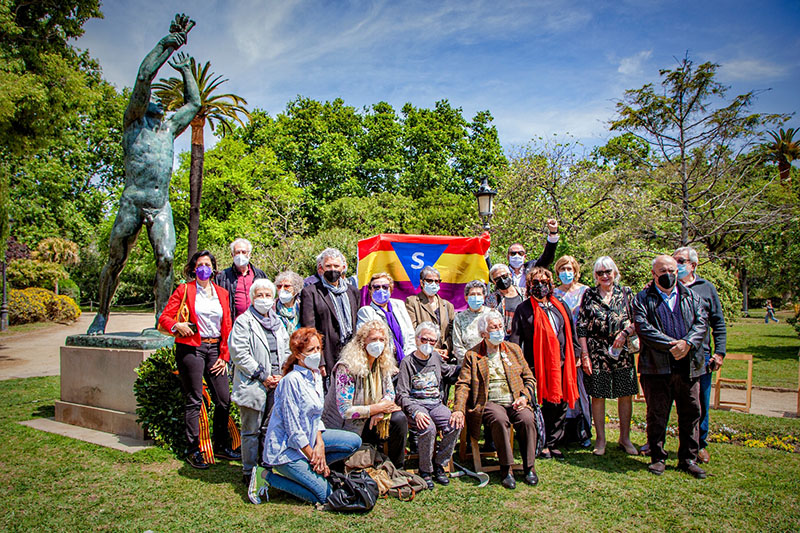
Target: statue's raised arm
(191, 95)
(140, 98)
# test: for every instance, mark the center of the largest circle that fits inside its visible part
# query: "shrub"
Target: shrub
(71, 289)
(23, 273)
(37, 305)
(159, 401)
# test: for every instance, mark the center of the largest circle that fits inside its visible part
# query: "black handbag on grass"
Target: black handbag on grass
(355, 492)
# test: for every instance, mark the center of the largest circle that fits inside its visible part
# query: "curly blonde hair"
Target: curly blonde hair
(354, 354)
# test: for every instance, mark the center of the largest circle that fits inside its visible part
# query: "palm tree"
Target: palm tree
(60, 252)
(783, 150)
(220, 110)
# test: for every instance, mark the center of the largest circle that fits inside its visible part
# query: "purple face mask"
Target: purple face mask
(203, 272)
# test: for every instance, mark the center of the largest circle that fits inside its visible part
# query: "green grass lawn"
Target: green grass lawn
(49, 482)
(774, 348)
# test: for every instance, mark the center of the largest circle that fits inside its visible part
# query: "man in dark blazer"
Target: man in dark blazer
(237, 278)
(671, 322)
(330, 306)
(517, 258)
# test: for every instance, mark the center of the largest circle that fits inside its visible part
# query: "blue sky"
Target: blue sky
(540, 67)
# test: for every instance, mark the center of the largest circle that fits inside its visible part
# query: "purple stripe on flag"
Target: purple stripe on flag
(452, 292)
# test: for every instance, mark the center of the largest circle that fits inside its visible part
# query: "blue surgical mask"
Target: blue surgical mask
(430, 288)
(516, 261)
(475, 302)
(566, 277)
(496, 337)
(683, 271)
(381, 296)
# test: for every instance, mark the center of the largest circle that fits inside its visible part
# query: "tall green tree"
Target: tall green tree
(702, 144)
(219, 110)
(783, 149)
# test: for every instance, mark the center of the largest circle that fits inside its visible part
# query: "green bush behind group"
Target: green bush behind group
(319, 174)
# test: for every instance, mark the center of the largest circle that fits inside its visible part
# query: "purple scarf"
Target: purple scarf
(397, 333)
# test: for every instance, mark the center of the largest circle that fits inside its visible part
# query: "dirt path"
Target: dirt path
(36, 353)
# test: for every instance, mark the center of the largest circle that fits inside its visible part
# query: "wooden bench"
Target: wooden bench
(474, 451)
(739, 406)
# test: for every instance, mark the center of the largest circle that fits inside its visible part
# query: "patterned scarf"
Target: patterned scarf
(290, 316)
(341, 303)
(552, 384)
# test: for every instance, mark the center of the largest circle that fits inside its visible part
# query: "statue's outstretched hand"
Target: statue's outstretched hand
(181, 24)
(181, 61)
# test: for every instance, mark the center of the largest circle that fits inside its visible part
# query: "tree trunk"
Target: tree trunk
(195, 183)
(783, 170)
(745, 291)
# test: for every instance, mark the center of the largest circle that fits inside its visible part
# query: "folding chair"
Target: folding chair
(739, 406)
(477, 455)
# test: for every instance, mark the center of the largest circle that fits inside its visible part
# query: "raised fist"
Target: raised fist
(181, 24)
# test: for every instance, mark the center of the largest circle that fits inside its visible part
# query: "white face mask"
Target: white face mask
(240, 260)
(516, 261)
(375, 348)
(263, 305)
(425, 348)
(496, 337)
(312, 360)
(285, 296)
(430, 288)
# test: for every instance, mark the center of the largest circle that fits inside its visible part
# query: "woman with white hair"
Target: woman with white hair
(604, 324)
(287, 304)
(259, 345)
(361, 397)
(465, 325)
(419, 394)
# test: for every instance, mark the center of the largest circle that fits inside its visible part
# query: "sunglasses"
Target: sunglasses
(516, 253)
(428, 340)
(602, 273)
(436, 281)
(379, 287)
(681, 261)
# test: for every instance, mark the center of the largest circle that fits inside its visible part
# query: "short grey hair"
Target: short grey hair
(293, 278)
(473, 284)
(332, 253)
(485, 318)
(246, 243)
(426, 326)
(497, 267)
(261, 283)
(691, 252)
(605, 262)
(427, 269)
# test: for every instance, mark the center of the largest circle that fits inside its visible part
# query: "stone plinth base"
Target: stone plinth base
(97, 389)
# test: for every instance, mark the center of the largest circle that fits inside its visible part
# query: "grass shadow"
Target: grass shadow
(44, 411)
(220, 473)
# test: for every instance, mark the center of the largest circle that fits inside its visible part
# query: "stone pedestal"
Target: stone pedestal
(97, 376)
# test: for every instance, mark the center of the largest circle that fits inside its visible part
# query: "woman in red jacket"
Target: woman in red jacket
(201, 350)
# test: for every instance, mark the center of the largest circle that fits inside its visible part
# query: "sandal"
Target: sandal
(545, 454)
(557, 454)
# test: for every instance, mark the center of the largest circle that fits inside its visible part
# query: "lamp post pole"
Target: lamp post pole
(4, 304)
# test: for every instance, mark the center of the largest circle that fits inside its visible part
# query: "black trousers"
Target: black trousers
(194, 364)
(555, 421)
(659, 392)
(398, 432)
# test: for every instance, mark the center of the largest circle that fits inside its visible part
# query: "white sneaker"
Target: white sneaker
(259, 486)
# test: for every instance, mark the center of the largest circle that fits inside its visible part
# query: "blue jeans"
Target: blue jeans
(298, 477)
(705, 400)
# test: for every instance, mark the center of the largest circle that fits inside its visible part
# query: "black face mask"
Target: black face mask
(332, 275)
(667, 280)
(503, 282)
(540, 289)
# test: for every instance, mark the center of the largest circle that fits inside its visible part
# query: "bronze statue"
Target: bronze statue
(147, 142)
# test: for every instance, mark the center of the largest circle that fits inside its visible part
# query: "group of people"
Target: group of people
(315, 373)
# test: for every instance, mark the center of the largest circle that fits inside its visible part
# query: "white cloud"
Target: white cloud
(751, 69)
(632, 65)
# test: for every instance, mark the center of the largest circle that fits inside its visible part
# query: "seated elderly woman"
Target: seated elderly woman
(259, 346)
(465, 325)
(289, 284)
(496, 388)
(419, 394)
(391, 311)
(298, 447)
(361, 396)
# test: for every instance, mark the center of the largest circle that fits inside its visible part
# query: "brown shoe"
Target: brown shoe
(703, 456)
(657, 468)
(690, 467)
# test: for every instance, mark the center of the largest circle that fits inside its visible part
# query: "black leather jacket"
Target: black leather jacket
(655, 357)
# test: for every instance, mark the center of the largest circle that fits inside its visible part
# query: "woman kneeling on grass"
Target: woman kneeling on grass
(298, 448)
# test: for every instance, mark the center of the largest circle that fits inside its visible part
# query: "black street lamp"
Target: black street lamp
(485, 196)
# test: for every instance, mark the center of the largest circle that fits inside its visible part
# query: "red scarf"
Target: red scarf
(551, 384)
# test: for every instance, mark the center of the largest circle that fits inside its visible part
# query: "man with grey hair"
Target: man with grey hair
(330, 305)
(239, 277)
(687, 259)
(671, 323)
(429, 306)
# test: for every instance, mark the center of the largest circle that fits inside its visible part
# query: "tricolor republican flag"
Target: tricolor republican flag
(458, 259)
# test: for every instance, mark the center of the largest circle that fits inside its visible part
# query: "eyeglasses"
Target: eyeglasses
(516, 253)
(379, 287)
(427, 340)
(436, 281)
(681, 261)
(602, 273)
